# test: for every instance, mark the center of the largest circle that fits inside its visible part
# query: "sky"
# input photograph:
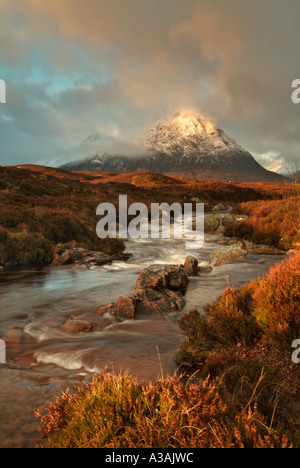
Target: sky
(76, 67)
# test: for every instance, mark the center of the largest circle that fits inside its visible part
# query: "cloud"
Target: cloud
(76, 67)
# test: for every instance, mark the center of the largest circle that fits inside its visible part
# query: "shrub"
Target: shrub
(118, 412)
(277, 300)
(243, 229)
(25, 249)
(269, 306)
(272, 222)
(227, 322)
(3, 234)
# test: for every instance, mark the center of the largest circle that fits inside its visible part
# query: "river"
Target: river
(44, 360)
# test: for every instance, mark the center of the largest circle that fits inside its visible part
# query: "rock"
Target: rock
(211, 222)
(108, 309)
(263, 249)
(228, 240)
(126, 307)
(127, 256)
(232, 219)
(159, 289)
(77, 326)
(98, 258)
(221, 208)
(191, 266)
(159, 277)
(101, 324)
(226, 254)
(13, 338)
(161, 306)
(67, 256)
(205, 269)
(62, 258)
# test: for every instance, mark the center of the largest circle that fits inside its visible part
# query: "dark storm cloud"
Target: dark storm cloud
(77, 67)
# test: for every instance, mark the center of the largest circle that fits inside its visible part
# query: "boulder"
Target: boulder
(211, 222)
(76, 326)
(263, 249)
(108, 309)
(160, 277)
(97, 258)
(14, 338)
(204, 269)
(232, 219)
(227, 254)
(126, 307)
(221, 208)
(191, 266)
(160, 289)
(161, 306)
(67, 256)
(101, 324)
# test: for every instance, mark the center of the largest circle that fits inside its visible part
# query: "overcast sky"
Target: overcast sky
(75, 67)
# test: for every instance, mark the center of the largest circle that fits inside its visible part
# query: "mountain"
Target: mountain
(187, 145)
(90, 146)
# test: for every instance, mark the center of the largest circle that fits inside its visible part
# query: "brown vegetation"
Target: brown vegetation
(271, 222)
(247, 333)
(41, 207)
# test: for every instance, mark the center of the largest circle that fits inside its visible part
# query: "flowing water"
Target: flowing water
(43, 360)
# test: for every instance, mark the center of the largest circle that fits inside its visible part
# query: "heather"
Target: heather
(266, 310)
(41, 209)
(44, 207)
(116, 411)
(271, 222)
(246, 334)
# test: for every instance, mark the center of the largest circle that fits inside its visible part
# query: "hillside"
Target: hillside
(43, 207)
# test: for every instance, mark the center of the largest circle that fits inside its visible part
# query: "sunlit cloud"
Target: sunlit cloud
(77, 67)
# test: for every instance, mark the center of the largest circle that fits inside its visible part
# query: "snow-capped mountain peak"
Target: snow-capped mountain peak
(188, 134)
(185, 144)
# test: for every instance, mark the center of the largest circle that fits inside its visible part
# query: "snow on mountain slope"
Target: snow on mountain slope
(186, 144)
(187, 134)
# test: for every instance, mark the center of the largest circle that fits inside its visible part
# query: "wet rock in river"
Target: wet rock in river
(221, 208)
(227, 254)
(191, 266)
(14, 338)
(76, 326)
(126, 307)
(110, 308)
(67, 256)
(232, 219)
(212, 222)
(263, 249)
(160, 289)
